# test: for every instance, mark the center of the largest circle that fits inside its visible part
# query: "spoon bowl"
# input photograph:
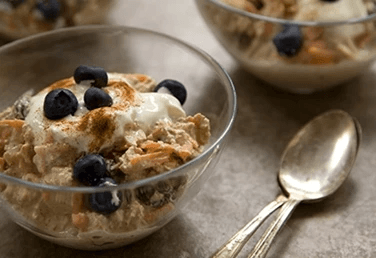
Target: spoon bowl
(309, 177)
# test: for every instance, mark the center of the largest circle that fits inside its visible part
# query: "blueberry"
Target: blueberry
(97, 74)
(176, 88)
(59, 103)
(90, 169)
(105, 202)
(49, 8)
(289, 41)
(96, 98)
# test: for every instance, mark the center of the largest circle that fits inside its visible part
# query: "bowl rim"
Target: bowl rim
(281, 21)
(174, 172)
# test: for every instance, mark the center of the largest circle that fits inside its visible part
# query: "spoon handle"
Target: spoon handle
(236, 242)
(263, 245)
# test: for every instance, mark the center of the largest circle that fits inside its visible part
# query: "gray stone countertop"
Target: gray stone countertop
(343, 225)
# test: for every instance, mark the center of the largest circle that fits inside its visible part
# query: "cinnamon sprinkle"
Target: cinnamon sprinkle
(99, 124)
(65, 84)
(123, 91)
(141, 77)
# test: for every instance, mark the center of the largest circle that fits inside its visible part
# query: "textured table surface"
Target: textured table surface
(344, 225)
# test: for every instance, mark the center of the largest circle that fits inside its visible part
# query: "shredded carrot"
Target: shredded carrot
(80, 221)
(16, 124)
(321, 56)
(77, 202)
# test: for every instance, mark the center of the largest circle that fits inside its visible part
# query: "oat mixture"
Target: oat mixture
(49, 151)
(307, 45)
(21, 18)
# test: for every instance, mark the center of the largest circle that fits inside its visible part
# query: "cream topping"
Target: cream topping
(317, 10)
(92, 131)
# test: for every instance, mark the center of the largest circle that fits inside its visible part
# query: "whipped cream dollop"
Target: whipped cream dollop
(131, 116)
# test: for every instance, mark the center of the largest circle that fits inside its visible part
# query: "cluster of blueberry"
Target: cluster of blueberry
(91, 170)
(50, 9)
(59, 103)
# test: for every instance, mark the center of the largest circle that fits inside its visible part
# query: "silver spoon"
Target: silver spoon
(314, 164)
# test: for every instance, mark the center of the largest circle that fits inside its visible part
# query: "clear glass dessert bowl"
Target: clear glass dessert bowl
(22, 18)
(301, 55)
(59, 213)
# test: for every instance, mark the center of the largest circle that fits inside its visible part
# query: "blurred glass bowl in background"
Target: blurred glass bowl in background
(322, 54)
(22, 18)
(38, 61)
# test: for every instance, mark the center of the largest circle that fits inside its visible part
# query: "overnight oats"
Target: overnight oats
(299, 45)
(21, 18)
(98, 129)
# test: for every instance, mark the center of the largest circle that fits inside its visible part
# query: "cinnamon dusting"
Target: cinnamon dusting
(100, 125)
(141, 77)
(64, 84)
(123, 91)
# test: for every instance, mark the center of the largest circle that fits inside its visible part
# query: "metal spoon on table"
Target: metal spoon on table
(314, 164)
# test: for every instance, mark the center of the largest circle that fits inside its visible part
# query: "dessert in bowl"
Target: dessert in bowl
(21, 18)
(298, 45)
(118, 135)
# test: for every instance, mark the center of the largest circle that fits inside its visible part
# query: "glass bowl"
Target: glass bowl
(23, 18)
(48, 210)
(330, 54)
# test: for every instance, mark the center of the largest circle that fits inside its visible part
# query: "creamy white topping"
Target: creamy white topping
(330, 11)
(138, 117)
(333, 11)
